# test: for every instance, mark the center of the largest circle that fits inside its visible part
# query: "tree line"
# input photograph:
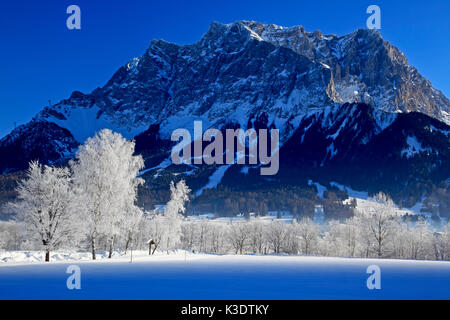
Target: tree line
(376, 232)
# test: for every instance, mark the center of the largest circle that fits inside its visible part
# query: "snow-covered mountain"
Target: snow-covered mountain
(250, 74)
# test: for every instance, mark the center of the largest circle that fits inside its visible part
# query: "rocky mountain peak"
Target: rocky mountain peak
(239, 71)
(244, 68)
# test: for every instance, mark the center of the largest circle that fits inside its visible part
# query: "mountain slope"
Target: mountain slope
(349, 145)
(38, 140)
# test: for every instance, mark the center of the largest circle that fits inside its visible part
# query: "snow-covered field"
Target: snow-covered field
(202, 276)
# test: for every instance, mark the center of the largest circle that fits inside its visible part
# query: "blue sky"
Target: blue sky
(41, 60)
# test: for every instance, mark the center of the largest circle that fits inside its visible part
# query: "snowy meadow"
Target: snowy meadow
(184, 275)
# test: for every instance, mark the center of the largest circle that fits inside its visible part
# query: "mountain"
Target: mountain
(349, 109)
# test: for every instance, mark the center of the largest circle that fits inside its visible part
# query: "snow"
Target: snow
(414, 147)
(83, 123)
(445, 132)
(214, 179)
(253, 34)
(446, 116)
(384, 119)
(182, 275)
(331, 151)
(286, 217)
(349, 90)
(245, 169)
(132, 65)
(32, 257)
(351, 193)
(364, 202)
(163, 165)
(336, 134)
(320, 188)
(184, 121)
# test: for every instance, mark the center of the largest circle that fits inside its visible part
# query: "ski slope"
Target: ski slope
(201, 276)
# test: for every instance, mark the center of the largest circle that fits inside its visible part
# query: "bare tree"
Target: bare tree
(238, 235)
(257, 236)
(308, 234)
(380, 223)
(276, 233)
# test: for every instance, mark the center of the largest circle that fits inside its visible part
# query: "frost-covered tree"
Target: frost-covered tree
(189, 235)
(366, 241)
(308, 234)
(291, 239)
(179, 195)
(378, 224)
(419, 240)
(332, 243)
(45, 203)
(399, 241)
(276, 233)
(441, 243)
(257, 236)
(349, 235)
(12, 234)
(105, 173)
(203, 235)
(238, 235)
(217, 238)
(131, 224)
(157, 229)
(342, 238)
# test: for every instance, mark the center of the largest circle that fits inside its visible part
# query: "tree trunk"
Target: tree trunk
(127, 244)
(93, 248)
(380, 251)
(111, 244)
(47, 251)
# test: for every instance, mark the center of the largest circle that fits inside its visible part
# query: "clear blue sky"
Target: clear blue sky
(41, 60)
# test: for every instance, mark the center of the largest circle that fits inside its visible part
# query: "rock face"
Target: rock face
(365, 68)
(246, 74)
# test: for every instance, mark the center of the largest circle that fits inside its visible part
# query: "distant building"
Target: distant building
(319, 214)
(159, 208)
(282, 214)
